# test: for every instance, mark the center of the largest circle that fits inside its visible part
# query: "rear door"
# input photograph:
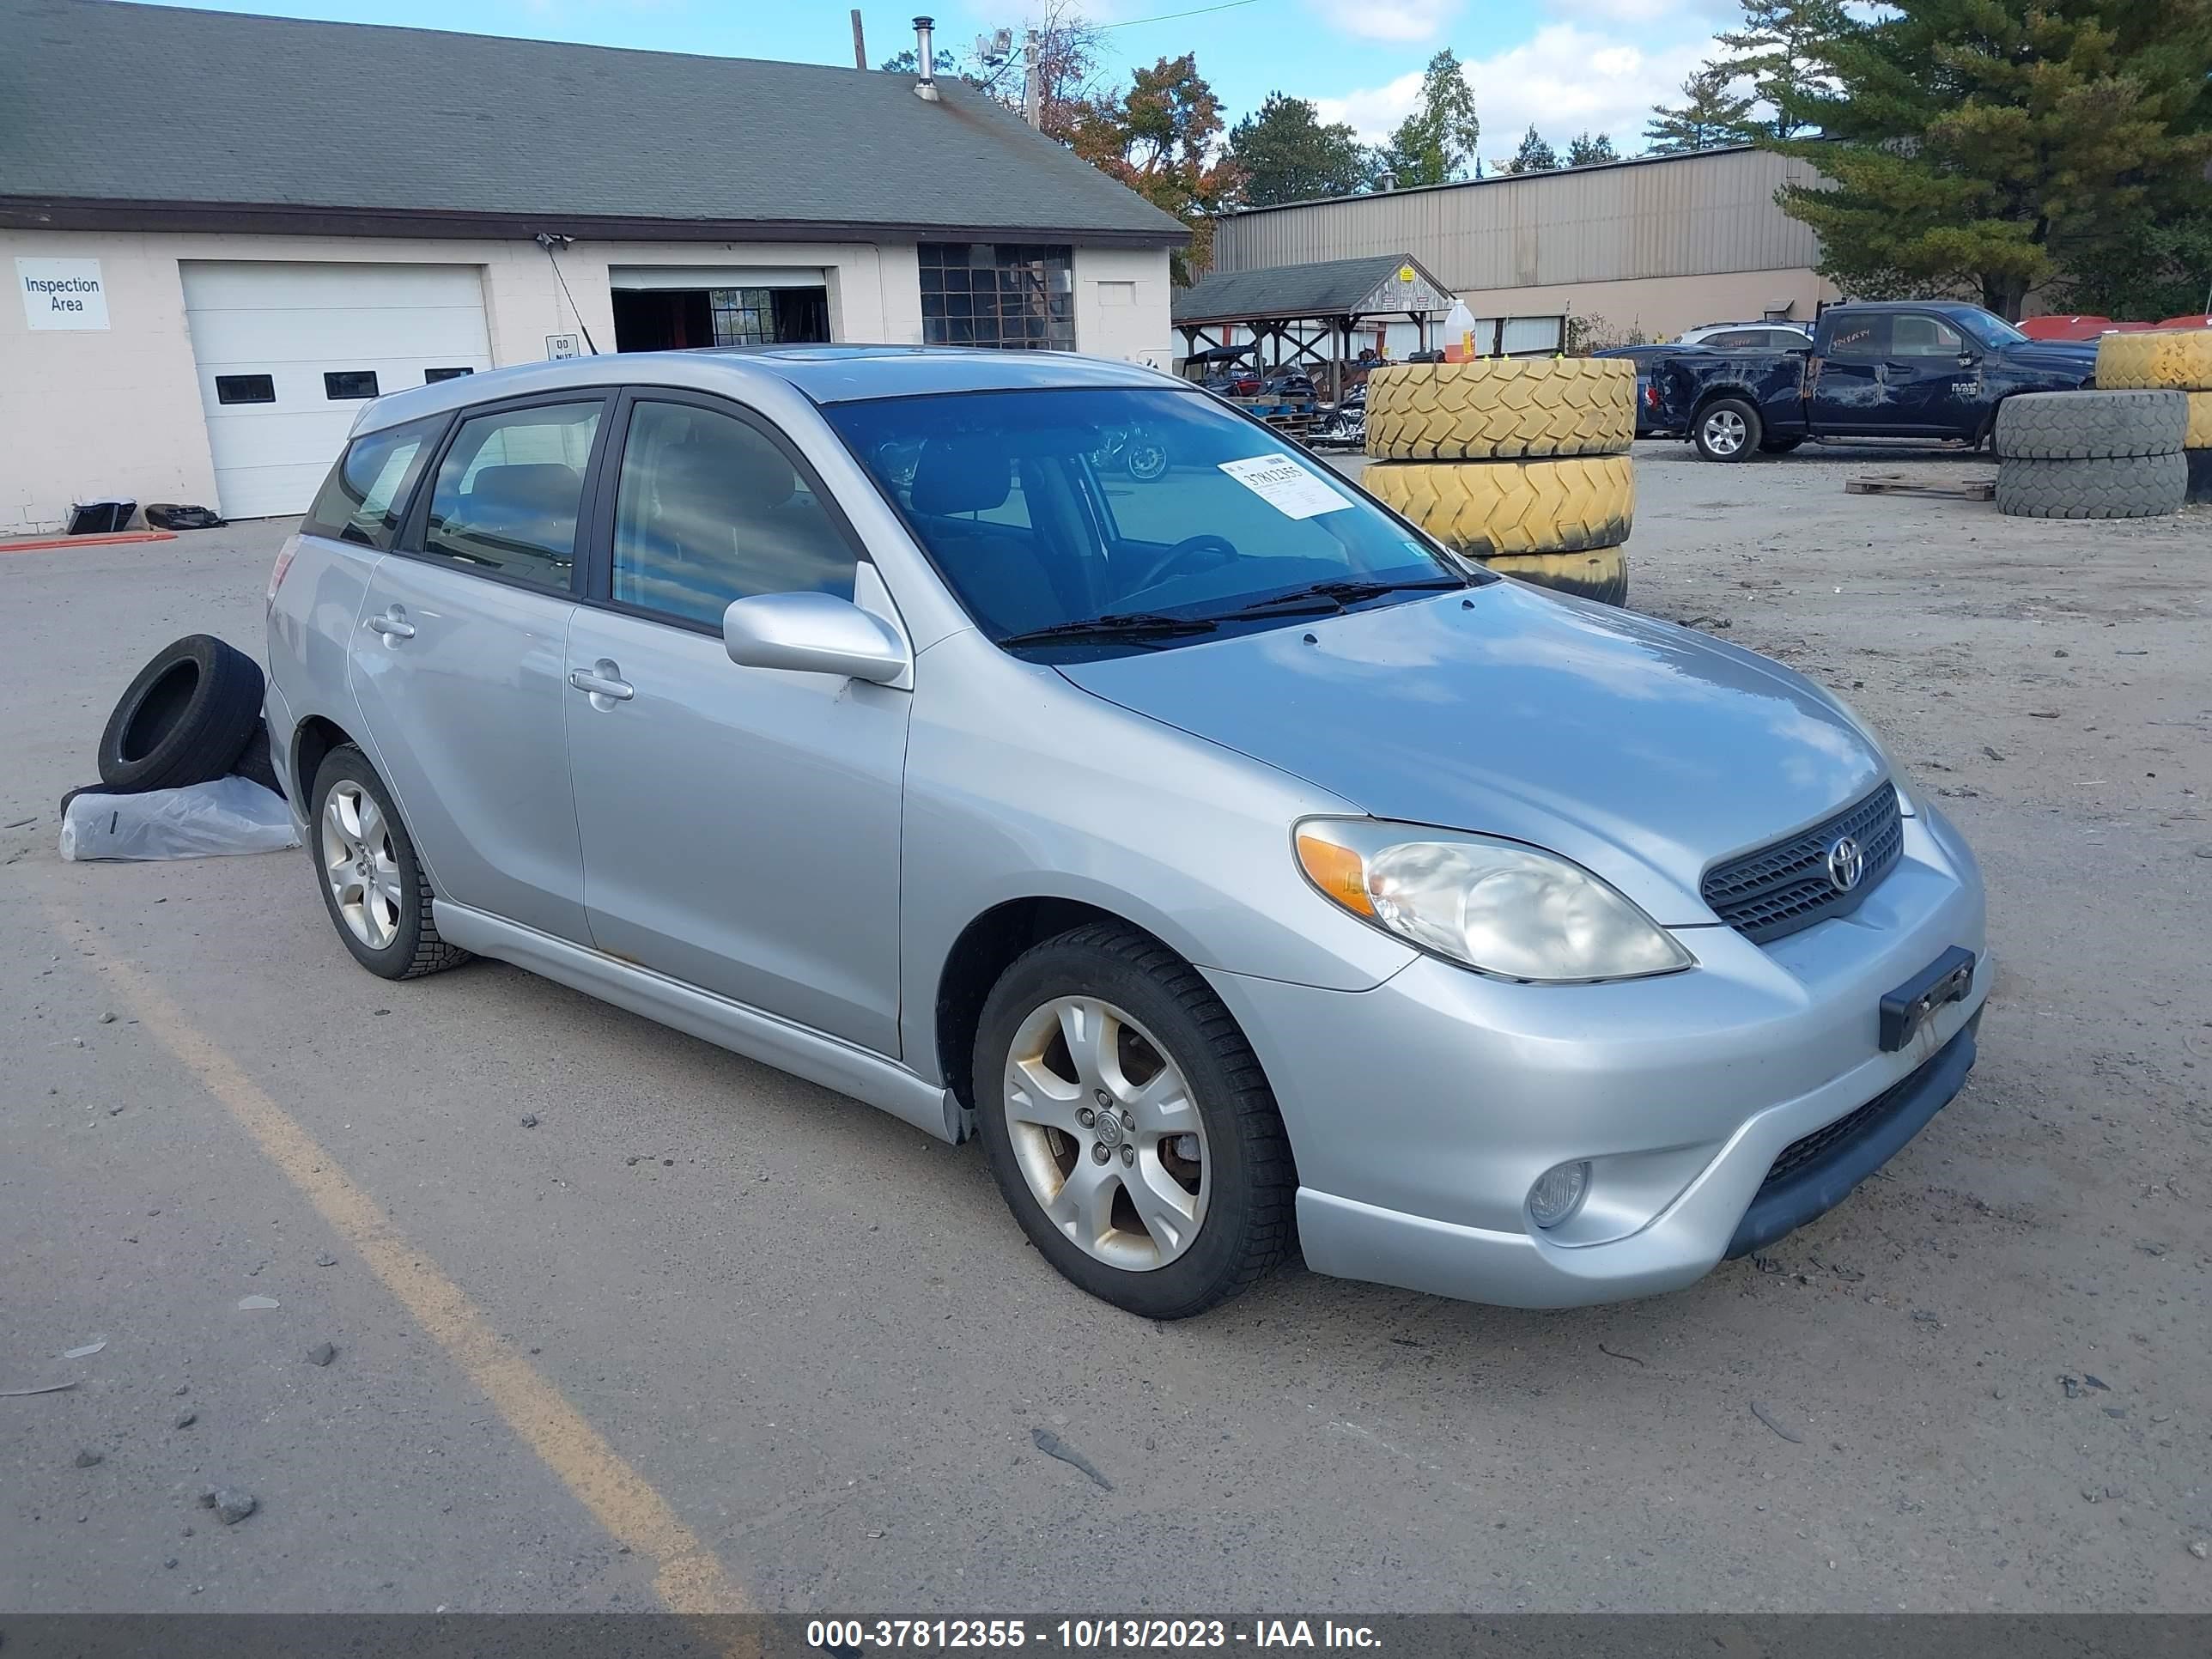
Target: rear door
(740, 826)
(1849, 396)
(459, 660)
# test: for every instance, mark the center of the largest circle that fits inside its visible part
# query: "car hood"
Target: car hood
(2063, 356)
(1641, 750)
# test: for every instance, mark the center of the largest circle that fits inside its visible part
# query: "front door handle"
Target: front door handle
(393, 624)
(603, 679)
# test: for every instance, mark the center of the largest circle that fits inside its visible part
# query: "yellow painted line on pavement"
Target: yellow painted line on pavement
(687, 1577)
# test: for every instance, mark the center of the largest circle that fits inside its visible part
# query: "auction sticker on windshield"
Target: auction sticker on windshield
(1285, 486)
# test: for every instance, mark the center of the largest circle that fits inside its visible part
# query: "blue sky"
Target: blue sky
(1567, 65)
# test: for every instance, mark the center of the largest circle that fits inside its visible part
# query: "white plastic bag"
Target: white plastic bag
(202, 820)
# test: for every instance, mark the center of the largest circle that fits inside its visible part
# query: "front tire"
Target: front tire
(1729, 430)
(1129, 1126)
(371, 879)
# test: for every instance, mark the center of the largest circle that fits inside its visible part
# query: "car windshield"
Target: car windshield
(1125, 518)
(1985, 328)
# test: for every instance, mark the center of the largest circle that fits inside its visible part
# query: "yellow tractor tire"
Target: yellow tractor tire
(1501, 409)
(1485, 508)
(2156, 359)
(2199, 435)
(1601, 574)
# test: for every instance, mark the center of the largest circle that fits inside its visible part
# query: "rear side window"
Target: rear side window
(1859, 338)
(365, 497)
(510, 490)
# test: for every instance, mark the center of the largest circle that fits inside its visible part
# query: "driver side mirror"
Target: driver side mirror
(812, 634)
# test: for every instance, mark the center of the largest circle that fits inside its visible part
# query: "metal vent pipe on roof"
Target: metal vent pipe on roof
(925, 58)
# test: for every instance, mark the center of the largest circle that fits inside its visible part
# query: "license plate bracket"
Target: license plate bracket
(1906, 1009)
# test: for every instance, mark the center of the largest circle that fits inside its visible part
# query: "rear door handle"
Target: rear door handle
(606, 682)
(393, 624)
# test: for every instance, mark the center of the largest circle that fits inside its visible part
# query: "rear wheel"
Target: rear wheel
(1728, 430)
(372, 881)
(1128, 1124)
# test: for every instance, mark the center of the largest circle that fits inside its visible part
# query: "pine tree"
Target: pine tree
(1534, 156)
(1778, 49)
(1584, 151)
(1710, 116)
(1286, 153)
(1984, 146)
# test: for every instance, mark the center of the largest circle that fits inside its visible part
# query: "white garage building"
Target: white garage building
(262, 223)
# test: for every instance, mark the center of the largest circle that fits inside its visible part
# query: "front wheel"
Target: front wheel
(1728, 430)
(1129, 1126)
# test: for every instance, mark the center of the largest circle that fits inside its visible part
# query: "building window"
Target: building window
(1018, 295)
(343, 383)
(432, 376)
(245, 389)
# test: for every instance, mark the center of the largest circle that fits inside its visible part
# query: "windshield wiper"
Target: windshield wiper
(1125, 624)
(1338, 592)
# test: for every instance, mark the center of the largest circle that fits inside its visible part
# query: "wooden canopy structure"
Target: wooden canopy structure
(1312, 310)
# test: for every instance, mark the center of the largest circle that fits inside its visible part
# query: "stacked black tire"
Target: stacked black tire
(192, 714)
(1520, 463)
(2092, 454)
(2169, 360)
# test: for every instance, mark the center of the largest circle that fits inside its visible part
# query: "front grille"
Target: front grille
(1783, 888)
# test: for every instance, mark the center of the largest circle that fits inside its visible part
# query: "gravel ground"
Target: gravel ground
(816, 1338)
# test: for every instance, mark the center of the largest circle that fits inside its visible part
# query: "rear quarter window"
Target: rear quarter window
(366, 496)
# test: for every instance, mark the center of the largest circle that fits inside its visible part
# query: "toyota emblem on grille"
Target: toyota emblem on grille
(1846, 864)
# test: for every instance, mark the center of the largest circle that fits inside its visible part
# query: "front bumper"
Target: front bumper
(1420, 1112)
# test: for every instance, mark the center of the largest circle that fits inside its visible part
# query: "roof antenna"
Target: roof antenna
(550, 239)
(925, 58)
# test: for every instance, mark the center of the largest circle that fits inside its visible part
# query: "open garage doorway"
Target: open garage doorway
(661, 308)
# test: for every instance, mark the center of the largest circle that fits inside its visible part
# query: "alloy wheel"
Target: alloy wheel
(1724, 432)
(360, 865)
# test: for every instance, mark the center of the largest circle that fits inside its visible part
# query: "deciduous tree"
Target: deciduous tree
(1437, 143)
(1157, 138)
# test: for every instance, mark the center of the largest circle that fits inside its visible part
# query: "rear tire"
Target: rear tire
(1192, 1201)
(371, 879)
(1728, 430)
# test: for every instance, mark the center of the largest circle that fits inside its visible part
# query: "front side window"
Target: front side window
(1925, 337)
(707, 510)
(1987, 328)
(509, 491)
(365, 497)
(1058, 506)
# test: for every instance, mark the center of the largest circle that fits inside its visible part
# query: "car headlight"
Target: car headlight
(1495, 906)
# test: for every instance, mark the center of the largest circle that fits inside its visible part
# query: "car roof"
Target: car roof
(822, 374)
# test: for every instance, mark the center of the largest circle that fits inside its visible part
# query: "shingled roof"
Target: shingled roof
(116, 116)
(1331, 288)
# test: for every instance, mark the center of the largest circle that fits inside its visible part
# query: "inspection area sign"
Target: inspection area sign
(61, 292)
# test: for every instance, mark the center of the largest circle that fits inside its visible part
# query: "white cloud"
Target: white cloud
(1566, 80)
(1387, 19)
(1687, 12)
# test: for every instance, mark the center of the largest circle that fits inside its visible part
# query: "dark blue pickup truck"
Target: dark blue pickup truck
(1931, 372)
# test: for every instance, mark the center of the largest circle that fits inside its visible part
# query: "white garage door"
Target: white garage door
(287, 353)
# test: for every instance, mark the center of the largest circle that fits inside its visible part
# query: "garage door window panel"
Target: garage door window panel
(509, 497)
(709, 508)
(365, 499)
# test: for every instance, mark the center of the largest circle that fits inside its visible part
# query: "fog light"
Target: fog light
(1558, 1193)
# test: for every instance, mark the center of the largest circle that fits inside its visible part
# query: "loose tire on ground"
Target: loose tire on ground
(2125, 487)
(1501, 409)
(1601, 574)
(1485, 508)
(184, 720)
(1247, 1224)
(2076, 426)
(1728, 430)
(2158, 359)
(392, 933)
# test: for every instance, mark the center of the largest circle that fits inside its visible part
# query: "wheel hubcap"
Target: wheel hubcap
(1725, 433)
(359, 865)
(1106, 1133)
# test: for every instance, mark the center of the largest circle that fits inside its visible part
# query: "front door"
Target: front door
(740, 826)
(459, 663)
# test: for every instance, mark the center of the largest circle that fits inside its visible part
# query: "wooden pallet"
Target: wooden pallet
(1896, 483)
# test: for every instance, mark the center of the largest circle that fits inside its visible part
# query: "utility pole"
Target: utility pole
(1032, 82)
(859, 46)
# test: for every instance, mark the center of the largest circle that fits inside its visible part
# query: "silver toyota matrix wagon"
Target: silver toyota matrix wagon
(1037, 749)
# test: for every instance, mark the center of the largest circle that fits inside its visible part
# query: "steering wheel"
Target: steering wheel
(1219, 550)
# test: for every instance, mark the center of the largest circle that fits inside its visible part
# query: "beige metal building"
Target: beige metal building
(1652, 246)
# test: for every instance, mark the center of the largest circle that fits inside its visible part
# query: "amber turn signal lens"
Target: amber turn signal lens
(1339, 872)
